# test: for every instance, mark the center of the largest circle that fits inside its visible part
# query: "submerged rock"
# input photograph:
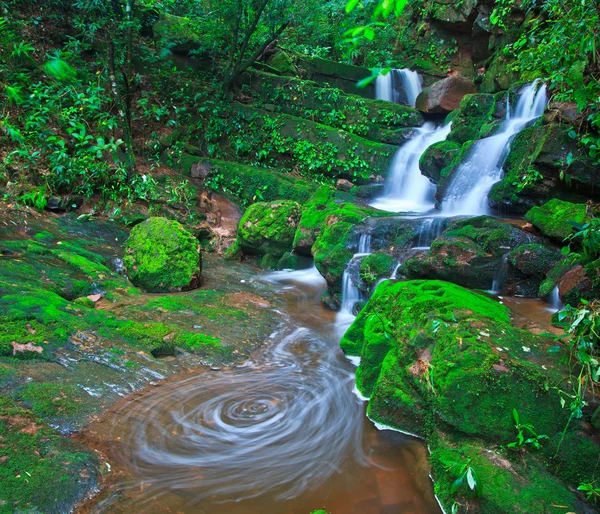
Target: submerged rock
(161, 256)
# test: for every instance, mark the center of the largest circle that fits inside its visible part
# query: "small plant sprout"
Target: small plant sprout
(526, 435)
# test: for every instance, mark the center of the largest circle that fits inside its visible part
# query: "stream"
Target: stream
(281, 433)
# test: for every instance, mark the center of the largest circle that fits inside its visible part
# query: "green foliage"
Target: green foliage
(526, 435)
(582, 338)
(560, 45)
(587, 235)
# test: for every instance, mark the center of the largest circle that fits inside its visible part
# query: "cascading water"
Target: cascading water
(350, 292)
(399, 86)
(468, 191)
(406, 189)
(555, 301)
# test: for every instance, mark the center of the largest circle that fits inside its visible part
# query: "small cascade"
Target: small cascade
(399, 86)
(430, 229)
(500, 276)
(468, 191)
(406, 189)
(350, 292)
(555, 301)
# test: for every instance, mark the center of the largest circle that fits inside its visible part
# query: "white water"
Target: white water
(350, 292)
(399, 86)
(406, 189)
(555, 302)
(468, 191)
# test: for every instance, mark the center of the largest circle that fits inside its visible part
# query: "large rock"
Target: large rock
(161, 256)
(268, 228)
(552, 219)
(471, 253)
(445, 363)
(438, 157)
(445, 95)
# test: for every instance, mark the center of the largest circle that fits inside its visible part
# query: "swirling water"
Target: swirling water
(281, 433)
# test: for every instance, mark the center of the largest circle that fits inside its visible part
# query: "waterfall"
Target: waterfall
(555, 301)
(350, 293)
(468, 191)
(398, 86)
(500, 275)
(430, 229)
(406, 189)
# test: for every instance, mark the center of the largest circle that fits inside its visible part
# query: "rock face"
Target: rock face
(445, 95)
(268, 228)
(536, 170)
(161, 256)
(552, 218)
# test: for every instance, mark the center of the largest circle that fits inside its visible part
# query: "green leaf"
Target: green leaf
(457, 483)
(59, 70)
(471, 479)
(351, 5)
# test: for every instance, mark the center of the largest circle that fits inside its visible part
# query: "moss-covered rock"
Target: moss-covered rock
(41, 471)
(374, 267)
(474, 112)
(161, 256)
(536, 170)
(552, 218)
(444, 95)
(470, 253)
(437, 157)
(250, 184)
(268, 228)
(534, 259)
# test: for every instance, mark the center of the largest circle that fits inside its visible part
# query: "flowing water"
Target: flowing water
(467, 193)
(406, 189)
(281, 433)
(399, 86)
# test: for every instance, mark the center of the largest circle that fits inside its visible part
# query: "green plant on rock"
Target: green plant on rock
(581, 337)
(591, 490)
(588, 235)
(467, 479)
(526, 435)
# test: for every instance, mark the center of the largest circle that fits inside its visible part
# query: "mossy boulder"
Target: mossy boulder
(268, 228)
(470, 253)
(474, 112)
(435, 351)
(437, 157)
(375, 267)
(552, 219)
(534, 259)
(161, 256)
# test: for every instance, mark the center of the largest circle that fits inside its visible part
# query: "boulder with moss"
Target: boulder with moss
(267, 229)
(445, 363)
(553, 218)
(437, 157)
(470, 252)
(161, 256)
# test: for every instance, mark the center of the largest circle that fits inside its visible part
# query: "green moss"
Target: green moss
(161, 256)
(520, 486)
(250, 184)
(374, 267)
(459, 331)
(269, 228)
(53, 401)
(474, 111)
(533, 259)
(41, 471)
(438, 157)
(552, 218)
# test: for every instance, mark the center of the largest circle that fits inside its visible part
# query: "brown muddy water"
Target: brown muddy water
(282, 433)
